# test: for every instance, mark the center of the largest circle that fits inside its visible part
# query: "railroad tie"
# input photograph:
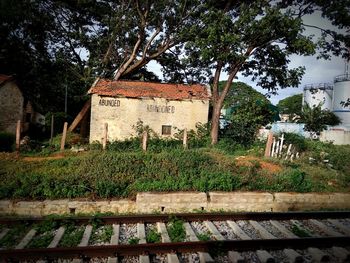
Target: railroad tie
(25, 241)
(263, 255)
(204, 257)
(214, 231)
(326, 229)
(141, 234)
(57, 237)
(84, 241)
(318, 255)
(291, 254)
(4, 232)
(114, 241)
(234, 256)
(341, 253)
(283, 229)
(340, 226)
(172, 257)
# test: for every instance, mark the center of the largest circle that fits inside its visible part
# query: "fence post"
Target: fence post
(144, 140)
(52, 126)
(268, 145)
(105, 136)
(64, 135)
(185, 139)
(18, 135)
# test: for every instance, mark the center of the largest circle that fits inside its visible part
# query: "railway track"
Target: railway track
(202, 237)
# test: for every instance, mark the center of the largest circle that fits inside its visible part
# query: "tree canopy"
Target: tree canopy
(291, 105)
(53, 44)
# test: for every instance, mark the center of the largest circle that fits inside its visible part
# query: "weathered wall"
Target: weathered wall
(122, 114)
(184, 202)
(11, 107)
(338, 137)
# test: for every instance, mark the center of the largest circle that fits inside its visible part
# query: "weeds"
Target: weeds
(299, 231)
(176, 230)
(203, 236)
(153, 236)
(133, 241)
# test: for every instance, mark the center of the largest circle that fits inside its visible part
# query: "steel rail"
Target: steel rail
(180, 247)
(153, 218)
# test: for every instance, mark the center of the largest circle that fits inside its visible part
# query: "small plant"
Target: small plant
(72, 236)
(299, 231)
(204, 236)
(102, 234)
(176, 230)
(133, 241)
(153, 236)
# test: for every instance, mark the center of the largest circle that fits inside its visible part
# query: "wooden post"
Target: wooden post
(144, 140)
(52, 126)
(269, 144)
(185, 139)
(64, 135)
(105, 136)
(18, 135)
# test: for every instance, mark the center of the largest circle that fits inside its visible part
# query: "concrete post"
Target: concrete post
(105, 136)
(144, 140)
(18, 135)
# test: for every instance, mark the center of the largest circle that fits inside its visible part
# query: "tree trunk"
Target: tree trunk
(214, 133)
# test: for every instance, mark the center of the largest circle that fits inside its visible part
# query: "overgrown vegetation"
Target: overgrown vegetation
(124, 170)
(153, 236)
(176, 230)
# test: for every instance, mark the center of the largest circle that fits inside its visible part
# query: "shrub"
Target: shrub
(7, 141)
(298, 141)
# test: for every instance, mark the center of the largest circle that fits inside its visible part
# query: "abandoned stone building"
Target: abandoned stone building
(163, 107)
(14, 107)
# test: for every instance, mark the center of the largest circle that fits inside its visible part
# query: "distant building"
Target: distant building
(14, 107)
(163, 107)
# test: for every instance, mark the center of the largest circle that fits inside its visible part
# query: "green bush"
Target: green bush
(298, 141)
(7, 141)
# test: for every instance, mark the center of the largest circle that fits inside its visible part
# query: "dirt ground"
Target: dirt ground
(250, 160)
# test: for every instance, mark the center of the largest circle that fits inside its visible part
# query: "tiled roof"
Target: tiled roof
(4, 78)
(140, 89)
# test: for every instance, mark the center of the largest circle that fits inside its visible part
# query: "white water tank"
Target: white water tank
(341, 93)
(314, 94)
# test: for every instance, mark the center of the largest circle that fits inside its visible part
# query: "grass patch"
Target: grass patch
(113, 173)
(153, 236)
(14, 236)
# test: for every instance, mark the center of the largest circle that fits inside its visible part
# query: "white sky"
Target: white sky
(316, 71)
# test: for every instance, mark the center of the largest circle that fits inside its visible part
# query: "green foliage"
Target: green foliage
(204, 236)
(14, 236)
(153, 236)
(72, 236)
(41, 241)
(316, 119)
(101, 233)
(7, 141)
(133, 241)
(298, 141)
(291, 105)
(299, 231)
(246, 119)
(176, 230)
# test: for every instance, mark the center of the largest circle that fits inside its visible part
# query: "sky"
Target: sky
(316, 70)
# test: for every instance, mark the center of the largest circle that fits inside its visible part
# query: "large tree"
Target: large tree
(257, 38)
(291, 105)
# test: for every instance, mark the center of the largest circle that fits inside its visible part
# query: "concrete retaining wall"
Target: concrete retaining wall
(183, 202)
